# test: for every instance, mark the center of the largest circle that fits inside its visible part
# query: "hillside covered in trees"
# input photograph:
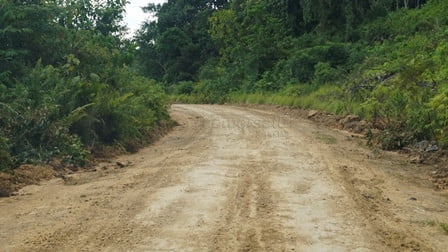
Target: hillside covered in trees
(67, 85)
(383, 60)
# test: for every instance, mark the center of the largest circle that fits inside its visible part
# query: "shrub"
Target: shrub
(324, 73)
(439, 110)
(6, 161)
(183, 87)
(51, 114)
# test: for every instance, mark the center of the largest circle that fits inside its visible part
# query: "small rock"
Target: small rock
(312, 113)
(350, 118)
(427, 146)
(416, 160)
(432, 148)
(124, 164)
(413, 198)
(422, 145)
(367, 196)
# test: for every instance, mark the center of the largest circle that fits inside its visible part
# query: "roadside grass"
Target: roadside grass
(326, 98)
(326, 138)
(432, 223)
(444, 227)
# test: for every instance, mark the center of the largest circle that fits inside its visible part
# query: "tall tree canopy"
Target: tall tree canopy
(247, 36)
(174, 47)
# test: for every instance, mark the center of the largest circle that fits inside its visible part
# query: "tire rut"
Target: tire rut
(249, 222)
(226, 179)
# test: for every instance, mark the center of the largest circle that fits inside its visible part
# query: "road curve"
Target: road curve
(225, 179)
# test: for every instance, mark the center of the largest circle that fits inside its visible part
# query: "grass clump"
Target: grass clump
(326, 138)
(444, 227)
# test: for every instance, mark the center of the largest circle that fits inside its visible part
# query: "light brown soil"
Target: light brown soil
(234, 179)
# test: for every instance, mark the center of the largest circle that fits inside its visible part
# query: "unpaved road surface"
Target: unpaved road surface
(234, 179)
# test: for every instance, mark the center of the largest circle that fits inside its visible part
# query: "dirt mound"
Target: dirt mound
(12, 181)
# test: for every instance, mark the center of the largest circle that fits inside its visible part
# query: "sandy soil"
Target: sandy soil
(234, 179)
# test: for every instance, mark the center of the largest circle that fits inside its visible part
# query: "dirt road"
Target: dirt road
(234, 179)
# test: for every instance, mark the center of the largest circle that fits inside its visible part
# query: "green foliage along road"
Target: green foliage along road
(70, 82)
(384, 60)
(67, 85)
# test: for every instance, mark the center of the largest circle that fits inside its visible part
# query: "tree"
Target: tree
(100, 16)
(66, 84)
(178, 42)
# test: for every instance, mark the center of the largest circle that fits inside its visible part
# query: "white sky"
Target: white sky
(134, 15)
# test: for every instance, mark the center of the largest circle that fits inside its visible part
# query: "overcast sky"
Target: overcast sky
(134, 15)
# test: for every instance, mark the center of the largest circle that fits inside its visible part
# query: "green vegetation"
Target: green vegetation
(431, 223)
(326, 138)
(67, 82)
(444, 227)
(70, 82)
(383, 60)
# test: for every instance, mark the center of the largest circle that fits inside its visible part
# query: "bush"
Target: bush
(213, 91)
(51, 114)
(183, 87)
(324, 73)
(438, 107)
(6, 161)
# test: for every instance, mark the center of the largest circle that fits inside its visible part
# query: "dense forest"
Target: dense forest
(383, 60)
(71, 82)
(67, 83)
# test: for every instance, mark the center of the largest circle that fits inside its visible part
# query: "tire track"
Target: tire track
(226, 179)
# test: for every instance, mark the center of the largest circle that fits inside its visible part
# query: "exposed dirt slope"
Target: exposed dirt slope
(234, 179)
